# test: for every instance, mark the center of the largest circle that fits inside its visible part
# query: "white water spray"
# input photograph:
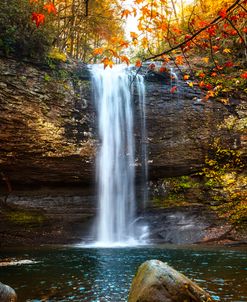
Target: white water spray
(116, 156)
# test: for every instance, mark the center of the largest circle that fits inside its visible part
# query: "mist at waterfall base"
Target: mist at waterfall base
(115, 167)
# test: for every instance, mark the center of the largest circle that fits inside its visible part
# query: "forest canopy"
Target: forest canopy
(132, 31)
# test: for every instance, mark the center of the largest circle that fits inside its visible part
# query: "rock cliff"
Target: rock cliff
(48, 128)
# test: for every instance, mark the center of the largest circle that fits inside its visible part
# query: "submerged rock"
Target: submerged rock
(7, 294)
(156, 281)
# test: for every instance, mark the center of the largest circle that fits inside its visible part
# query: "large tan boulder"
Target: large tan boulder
(7, 294)
(156, 281)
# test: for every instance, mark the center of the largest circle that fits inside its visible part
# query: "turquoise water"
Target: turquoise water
(104, 275)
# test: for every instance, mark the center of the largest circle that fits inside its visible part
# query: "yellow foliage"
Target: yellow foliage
(55, 54)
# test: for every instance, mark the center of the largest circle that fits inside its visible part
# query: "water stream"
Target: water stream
(113, 95)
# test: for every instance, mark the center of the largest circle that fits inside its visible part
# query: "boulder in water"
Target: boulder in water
(7, 293)
(156, 281)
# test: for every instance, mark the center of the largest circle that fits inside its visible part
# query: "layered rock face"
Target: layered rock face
(47, 122)
(48, 127)
(180, 128)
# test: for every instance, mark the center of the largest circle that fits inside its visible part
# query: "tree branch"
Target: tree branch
(217, 19)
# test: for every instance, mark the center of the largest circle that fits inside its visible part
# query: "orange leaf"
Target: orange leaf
(179, 60)
(138, 63)
(107, 62)
(50, 8)
(114, 53)
(173, 89)
(124, 43)
(215, 48)
(201, 75)
(140, 27)
(186, 77)
(202, 84)
(125, 13)
(165, 59)
(134, 12)
(98, 51)
(125, 59)
(213, 74)
(38, 18)
(210, 94)
(133, 35)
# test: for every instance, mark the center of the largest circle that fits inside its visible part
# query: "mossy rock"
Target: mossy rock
(25, 217)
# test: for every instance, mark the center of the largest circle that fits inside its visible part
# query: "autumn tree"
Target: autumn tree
(172, 32)
(30, 28)
(19, 35)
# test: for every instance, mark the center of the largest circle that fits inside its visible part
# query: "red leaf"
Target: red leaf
(162, 69)
(223, 13)
(173, 89)
(234, 18)
(229, 64)
(244, 75)
(208, 86)
(186, 37)
(138, 63)
(212, 30)
(38, 18)
(151, 66)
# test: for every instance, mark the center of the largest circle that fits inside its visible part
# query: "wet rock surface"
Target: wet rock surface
(185, 225)
(69, 216)
(156, 281)
(7, 294)
(48, 216)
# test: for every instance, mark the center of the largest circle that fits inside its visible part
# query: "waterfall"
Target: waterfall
(144, 156)
(116, 156)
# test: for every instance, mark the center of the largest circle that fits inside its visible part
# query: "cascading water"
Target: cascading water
(116, 156)
(144, 157)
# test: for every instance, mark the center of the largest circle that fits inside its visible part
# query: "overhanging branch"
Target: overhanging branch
(237, 2)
